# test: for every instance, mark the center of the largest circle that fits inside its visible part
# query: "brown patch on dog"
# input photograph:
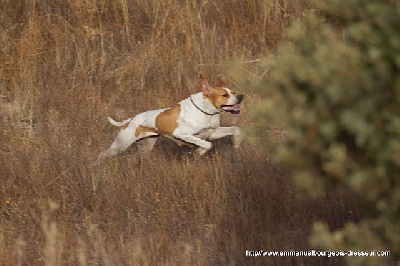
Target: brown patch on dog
(218, 97)
(167, 121)
(142, 130)
(126, 125)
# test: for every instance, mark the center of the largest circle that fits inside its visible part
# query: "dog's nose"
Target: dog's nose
(239, 98)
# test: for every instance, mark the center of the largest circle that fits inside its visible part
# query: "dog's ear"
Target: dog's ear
(221, 81)
(205, 87)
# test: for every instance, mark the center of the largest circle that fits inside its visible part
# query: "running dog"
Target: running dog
(193, 121)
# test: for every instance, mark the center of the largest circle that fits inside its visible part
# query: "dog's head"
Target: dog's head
(221, 97)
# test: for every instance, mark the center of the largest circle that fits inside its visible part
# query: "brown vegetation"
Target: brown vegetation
(65, 66)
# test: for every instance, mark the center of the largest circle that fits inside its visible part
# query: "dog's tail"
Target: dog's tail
(117, 124)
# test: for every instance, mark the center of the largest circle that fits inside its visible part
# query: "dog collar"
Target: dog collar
(204, 112)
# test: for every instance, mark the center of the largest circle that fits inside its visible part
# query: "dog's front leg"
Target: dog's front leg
(203, 144)
(221, 132)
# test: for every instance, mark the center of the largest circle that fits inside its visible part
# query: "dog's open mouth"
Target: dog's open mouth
(233, 109)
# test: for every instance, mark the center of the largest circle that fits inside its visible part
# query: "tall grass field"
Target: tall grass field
(65, 65)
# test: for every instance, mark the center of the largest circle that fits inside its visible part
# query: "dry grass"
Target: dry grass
(65, 66)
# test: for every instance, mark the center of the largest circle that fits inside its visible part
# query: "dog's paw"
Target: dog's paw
(237, 141)
(207, 146)
(200, 151)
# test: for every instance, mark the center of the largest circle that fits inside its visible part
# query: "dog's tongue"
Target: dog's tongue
(234, 109)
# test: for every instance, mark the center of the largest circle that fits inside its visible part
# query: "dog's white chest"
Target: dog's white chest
(194, 121)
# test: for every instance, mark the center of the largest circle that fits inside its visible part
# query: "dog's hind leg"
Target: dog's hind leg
(125, 138)
(146, 145)
(105, 154)
(129, 134)
(116, 147)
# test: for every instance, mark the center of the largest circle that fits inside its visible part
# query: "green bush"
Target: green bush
(335, 88)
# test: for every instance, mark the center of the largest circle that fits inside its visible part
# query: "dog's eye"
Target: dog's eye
(226, 95)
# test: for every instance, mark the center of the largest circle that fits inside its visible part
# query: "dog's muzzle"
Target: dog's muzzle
(233, 109)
